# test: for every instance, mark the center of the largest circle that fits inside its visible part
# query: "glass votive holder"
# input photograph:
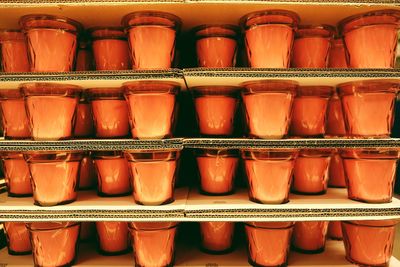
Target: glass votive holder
(110, 112)
(371, 38)
(268, 242)
(152, 108)
(51, 109)
(268, 35)
(310, 237)
(84, 55)
(335, 125)
(369, 243)
(368, 107)
(52, 42)
(14, 119)
(84, 127)
(152, 38)
(54, 243)
(216, 108)
(87, 231)
(337, 54)
(309, 111)
(310, 175)
(17, 176)
(337, 178)
(153, 175)
(311, 46)
(110, 48)
(363, 166)
(335, 230)
(268, 107)
(113, 238)
(13, 51)
(112, 173)
(17, 235)
(217, 237)
(153, 243)
(54, 176)
(269, 174)
(87, 173)
(216, 45)
(217, 170)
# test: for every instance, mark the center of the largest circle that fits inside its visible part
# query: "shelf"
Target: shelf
(192, 256)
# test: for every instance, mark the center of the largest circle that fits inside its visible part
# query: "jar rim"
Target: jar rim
(24, 20)
(209, 152)
(11, 35)
(233, 91)
(49, 226)
(151, 86)
(226, 30)
(49, 89)
(107, 32)
(294, 18)
(152, 226)
(316, 90)
(105, 93)
(10, 94)
(375, 85)
(270, 86)
(175, 21)
(323, 30)
(271, 225)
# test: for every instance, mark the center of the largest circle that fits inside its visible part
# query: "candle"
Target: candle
(110, 48)
(84, 56)
(217, 237)
(268, 242)
(216, 45)
(269, 174)
(335, 230)
(152, 108)
(87, 173)
(52, 42)
(310, 174)
(153, 175)
(269, 37)
(54, 243)
(309, 111)
(84, 118)
(113, 174)
(217, 170)
(311, 46)
(371, 38)
(369, 243)
(113, 237)
(16, 171)
(87, 231)
(337, 54)
(310, 237)
(362, 167)
(13, 53)
(268, 107)
(153, 243)
(18, 242)
(13, 112)
(152, 37)
(336, 171)
(368, 107)
(51, 109)
(54, 176)
(110, 112)
(335, 126)
(216, 108)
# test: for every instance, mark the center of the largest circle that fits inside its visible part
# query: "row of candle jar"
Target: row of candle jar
(53, 177)
(274, 108)
(367, 243)
(50, 111)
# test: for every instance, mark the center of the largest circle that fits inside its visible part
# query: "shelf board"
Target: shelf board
(189, 255)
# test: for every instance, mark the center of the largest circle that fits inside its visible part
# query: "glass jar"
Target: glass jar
(87, 173)
(13, 51)
(217, 237)
(84, 118)
(17, 176)
(337, 54)
(84, 56)
(310, 237)
(113, 238)
(335, 230)
(17, 235)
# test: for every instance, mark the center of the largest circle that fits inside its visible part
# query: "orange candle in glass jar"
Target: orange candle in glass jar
(18, 242)
(84, 56)
(13, 112)
(113, 237)
(84, 118)
(152, 37)
(13, 53)
(87, 231)
(217, 237)
(52, 42)
(337, 177)
(112, 173)
(337, 54)
(87, 173)
(16, 171)
(268, 107)
(335, 230)
(269, 37)
(335, 124)
(310, 237)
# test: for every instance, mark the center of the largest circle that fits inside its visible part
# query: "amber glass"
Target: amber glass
(310, 237)
(335, 125)
(112, 174)
(17, 176)
(54, 243)
(362, 167)
(216, 108)
(51, 109)
(369, 243)
(113, 238)
(152, 108)
(87, 174)
(152, 37)
(268, 107)
(217, 237)
(268, 242)
(84, 56)
(52, 42)
(337, 54)
(337, 178)
(269, 37)
(311, 46)
(54, 176)
(18, 242)
(371, 38)
(13, 51)
(84, 127)
(217, 170)
(153, 243)
(87, 231)
(269, 174)
(335, 230)
(368, 107)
